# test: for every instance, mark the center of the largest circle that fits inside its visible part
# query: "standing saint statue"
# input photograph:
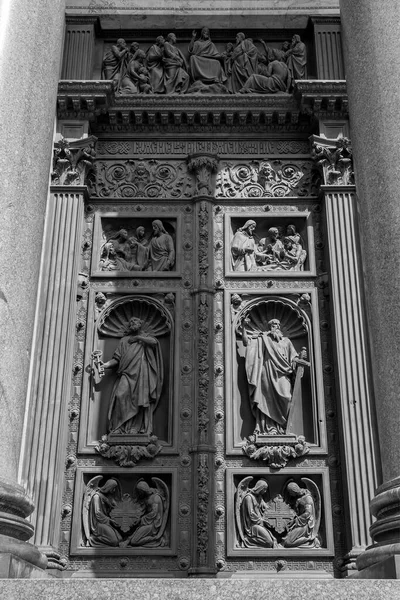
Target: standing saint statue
(271, 361)
(205, 65)
(140, 379)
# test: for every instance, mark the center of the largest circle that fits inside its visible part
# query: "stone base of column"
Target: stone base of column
(16, 554)
(386, 569)
(14, 567)
(384, 554)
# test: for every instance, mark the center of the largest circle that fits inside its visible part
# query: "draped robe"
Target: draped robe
(204, 62)
(139, 383)
(269, 367)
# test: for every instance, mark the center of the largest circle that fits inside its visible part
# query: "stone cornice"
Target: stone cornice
(326, 96)
(90, 99)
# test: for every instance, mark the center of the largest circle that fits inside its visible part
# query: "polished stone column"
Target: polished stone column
(30, 54)
(45, 441)
(371, 36)
(355, 397)
(204, 168)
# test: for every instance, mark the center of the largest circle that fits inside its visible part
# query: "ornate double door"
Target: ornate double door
(202, 440)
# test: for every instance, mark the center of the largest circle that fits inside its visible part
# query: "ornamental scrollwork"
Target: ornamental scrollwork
(142, 178)
(258, 179)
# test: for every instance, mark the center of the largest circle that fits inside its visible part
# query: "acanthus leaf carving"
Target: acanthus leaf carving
(203, 166)
(142, 179)
(276, 455)
(258, 179)
(128, 455)
(335, 159)
(73, 161)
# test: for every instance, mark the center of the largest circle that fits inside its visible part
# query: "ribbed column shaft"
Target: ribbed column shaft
(354, 385)
(46, 426)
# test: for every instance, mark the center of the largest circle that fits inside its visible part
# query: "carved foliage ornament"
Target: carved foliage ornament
(335, 159)
(203, 165)
(142, 178)
(258, 179)
(73, 161)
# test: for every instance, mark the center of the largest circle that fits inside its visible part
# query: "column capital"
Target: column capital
(73, 161)
(334, 158)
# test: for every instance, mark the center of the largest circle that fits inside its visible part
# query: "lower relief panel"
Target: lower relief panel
(130, 512)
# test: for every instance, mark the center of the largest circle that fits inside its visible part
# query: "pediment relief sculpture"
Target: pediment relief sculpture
(278, 250)
(136, 519)
(243, 66)
(290, 519)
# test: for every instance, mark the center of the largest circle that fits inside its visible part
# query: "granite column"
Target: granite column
(371, 36)
(30, 55)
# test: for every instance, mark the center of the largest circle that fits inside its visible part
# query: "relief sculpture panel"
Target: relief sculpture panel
(136, 246)
(124, 512)
(284, 513)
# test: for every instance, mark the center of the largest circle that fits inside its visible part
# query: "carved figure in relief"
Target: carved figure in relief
(294, 252)
(270, 363)
(100, 529)
(155, 65)
(276, 78)
(243, 248)
(271, 249)
(251, 515)
(140, 379)
(113, 60)
(135, 77)
(154, 503)
(205, 65)
(276, 53)
(302, 530)
(161, 249)
(242, 63)
(296, 58)
(176, 75)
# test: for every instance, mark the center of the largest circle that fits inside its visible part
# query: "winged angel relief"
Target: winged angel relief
(257, 179)
(288, 520)
(111, 518)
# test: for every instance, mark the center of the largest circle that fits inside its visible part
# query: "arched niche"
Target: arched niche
(295, 324)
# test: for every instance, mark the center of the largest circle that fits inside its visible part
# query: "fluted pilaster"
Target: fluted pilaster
(355, 396)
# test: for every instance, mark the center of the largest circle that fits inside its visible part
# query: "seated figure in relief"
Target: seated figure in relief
(205, 60)
(242, 63)
(295, 255)
(276, 79)
(155, 65)
(135, 78)
(175, 69)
